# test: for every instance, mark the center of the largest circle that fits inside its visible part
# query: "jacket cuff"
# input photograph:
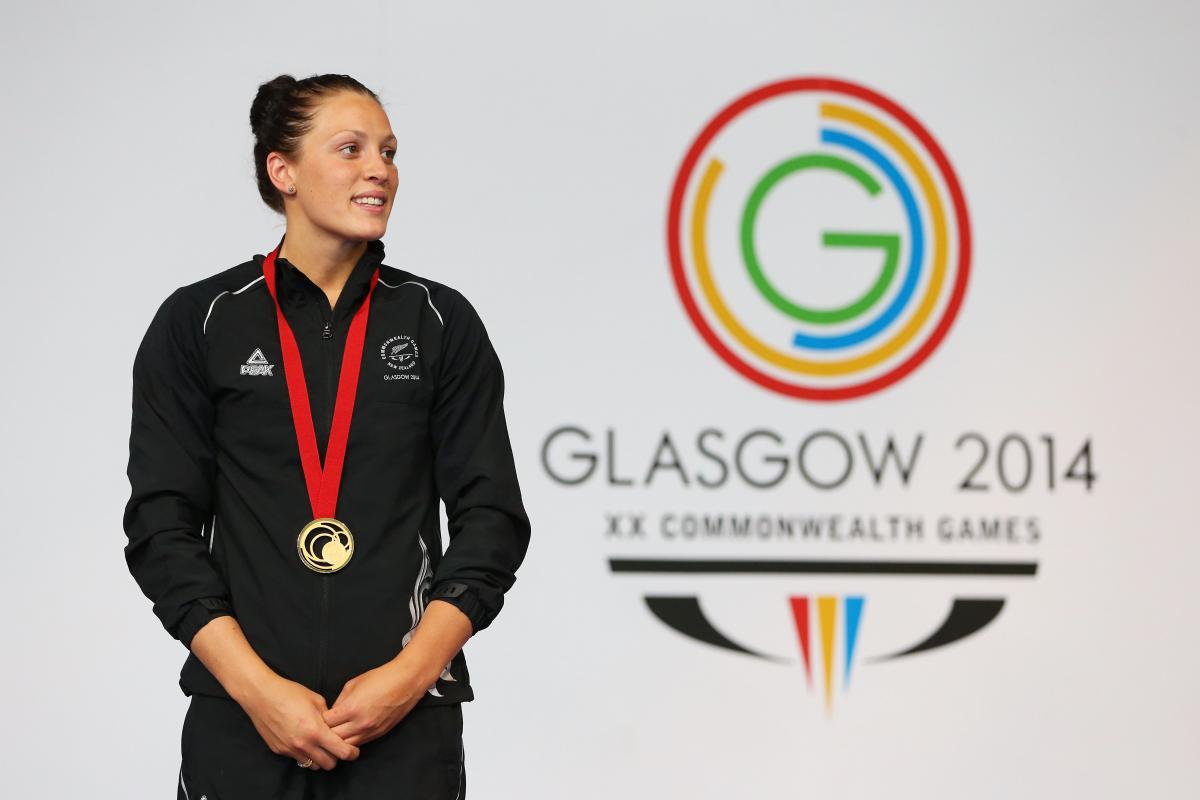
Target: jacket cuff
(466, 600)
(198, 615)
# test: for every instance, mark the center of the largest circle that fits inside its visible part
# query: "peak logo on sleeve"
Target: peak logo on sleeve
(257, 364)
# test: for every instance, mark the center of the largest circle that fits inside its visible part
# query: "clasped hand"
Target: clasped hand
(294, 721)
(372, 703)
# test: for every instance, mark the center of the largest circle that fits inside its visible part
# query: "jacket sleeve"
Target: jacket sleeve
(474, 472)
(171, 472)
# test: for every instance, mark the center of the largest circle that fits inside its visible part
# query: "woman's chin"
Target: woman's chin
(363, 230)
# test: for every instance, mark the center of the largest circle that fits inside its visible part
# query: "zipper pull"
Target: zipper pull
(327, 333)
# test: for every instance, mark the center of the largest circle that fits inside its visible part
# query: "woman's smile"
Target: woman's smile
(374, 202)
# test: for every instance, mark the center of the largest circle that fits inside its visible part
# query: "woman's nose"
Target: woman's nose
(376, 167)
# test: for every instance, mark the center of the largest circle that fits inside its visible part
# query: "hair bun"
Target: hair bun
(266, 101)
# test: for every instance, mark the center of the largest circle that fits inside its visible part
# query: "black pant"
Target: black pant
(224, 758)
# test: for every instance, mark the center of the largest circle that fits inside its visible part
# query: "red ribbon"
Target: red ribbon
(322, 483)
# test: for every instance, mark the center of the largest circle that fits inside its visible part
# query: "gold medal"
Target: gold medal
(325, 545)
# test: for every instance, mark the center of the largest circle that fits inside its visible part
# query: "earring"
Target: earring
(291, 190)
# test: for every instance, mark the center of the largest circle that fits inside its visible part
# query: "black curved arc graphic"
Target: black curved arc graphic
(967, 616)
(684, 615)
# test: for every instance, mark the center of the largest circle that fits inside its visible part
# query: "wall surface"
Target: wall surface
(847, 369)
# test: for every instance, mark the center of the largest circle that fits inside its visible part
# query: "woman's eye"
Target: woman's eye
(343, 149)
(390, 154)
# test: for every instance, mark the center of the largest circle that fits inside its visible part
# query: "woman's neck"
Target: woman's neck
(325, 260)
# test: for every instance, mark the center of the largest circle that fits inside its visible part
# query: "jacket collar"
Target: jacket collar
(295, 288)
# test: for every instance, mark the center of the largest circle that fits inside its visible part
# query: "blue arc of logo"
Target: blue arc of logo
(915, 257)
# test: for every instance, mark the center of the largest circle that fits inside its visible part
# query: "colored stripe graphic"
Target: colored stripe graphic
(854, 607)
(827, 617)
(800, 614)
(826, 611)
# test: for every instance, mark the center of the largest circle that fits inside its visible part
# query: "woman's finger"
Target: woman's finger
(321, 758)
(336, 745)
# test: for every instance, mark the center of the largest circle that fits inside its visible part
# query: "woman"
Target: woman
(296, 419)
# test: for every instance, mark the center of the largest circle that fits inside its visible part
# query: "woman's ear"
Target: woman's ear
(280, 172)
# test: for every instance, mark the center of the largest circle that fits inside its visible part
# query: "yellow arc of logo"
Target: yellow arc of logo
(857, 363)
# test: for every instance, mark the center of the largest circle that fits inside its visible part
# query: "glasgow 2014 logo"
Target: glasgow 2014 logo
(819, 239)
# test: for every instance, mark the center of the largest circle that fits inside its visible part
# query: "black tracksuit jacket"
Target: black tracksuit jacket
(218, 493)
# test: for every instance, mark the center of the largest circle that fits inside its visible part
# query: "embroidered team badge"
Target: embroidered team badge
(257, 364)
(400, 353)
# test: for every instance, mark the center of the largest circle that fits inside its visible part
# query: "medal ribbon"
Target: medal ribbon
(322, 483)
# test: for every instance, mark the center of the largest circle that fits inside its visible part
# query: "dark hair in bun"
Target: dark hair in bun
(282, 113)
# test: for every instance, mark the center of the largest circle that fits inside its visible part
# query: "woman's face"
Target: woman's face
(344, 173)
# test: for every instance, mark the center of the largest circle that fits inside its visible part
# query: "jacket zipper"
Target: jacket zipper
(327, 336)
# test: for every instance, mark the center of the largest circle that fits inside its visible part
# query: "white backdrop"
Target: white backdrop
(539, 143)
